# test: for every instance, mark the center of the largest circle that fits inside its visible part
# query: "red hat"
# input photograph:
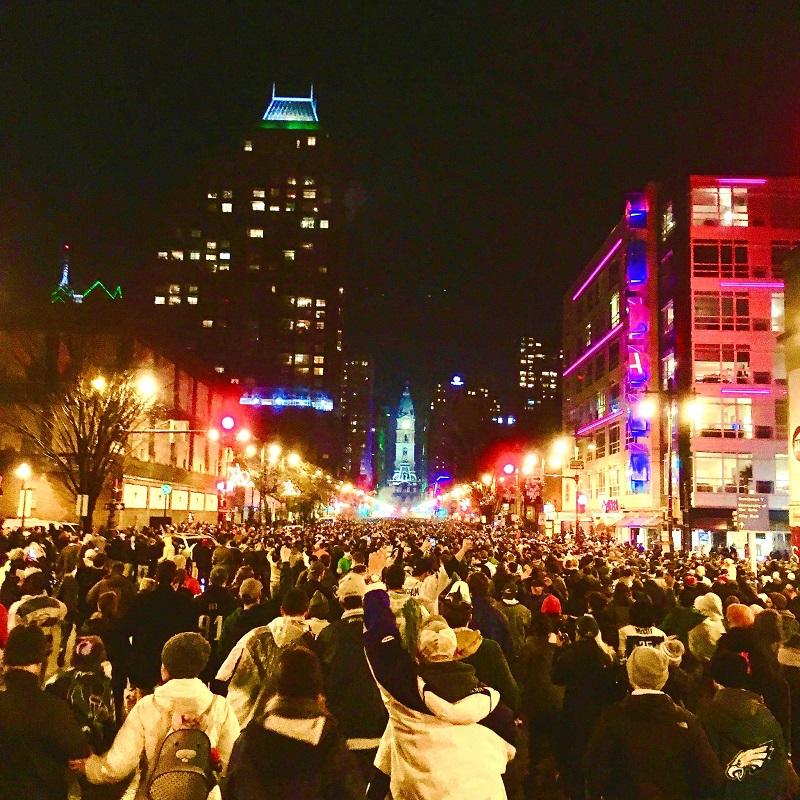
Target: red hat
(690, 580)
(551, 605)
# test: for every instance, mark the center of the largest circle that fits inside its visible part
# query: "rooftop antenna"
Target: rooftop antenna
(273, 90)
(312, 92)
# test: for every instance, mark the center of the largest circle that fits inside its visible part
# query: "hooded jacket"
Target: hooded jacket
(252, 665)
(180, 702)
(703, 638)
(647, 748)
(749, 744)
(430, 745)
(294, 753)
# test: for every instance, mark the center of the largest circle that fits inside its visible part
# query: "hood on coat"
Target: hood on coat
(709, 605)
(738, 704)
(472, 708)
(187, 699)
(286, 630)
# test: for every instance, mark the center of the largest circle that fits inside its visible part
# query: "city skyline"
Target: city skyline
(466, 235)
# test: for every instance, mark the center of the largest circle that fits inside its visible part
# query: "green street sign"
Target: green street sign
(166, 488)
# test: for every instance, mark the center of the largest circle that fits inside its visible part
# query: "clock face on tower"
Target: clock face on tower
(405, 424)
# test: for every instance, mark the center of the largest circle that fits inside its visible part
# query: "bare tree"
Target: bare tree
(81, 428)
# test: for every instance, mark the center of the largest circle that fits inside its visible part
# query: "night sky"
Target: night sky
(494, 142)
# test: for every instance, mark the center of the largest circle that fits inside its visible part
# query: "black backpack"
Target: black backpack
(183, 769)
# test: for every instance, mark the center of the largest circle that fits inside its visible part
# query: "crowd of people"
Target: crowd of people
(392, 658)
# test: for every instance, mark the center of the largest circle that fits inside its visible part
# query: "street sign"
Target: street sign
(753, 512)
(166, 488)
(576, 464)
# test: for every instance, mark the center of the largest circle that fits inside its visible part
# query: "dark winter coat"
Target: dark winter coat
(647, 748)
(240, 622)
(155, 617)
(38, 737)
(491, 623)
(789, 659)
(680, 621)
(118, 646)
(350, 690)
(539, 694)
(749, 744)
(295, 753)
(491, 669)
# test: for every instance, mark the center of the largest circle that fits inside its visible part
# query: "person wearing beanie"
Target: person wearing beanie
(318, 612)
(739, 616)
(551, 605)
(431, 741)
(39, 735)
(746, 737)
(677, 685)
(297, 750)
(703, 637)
(586, 671)
(350, 690)
(252, 665)
(181, 701)
(647, 747)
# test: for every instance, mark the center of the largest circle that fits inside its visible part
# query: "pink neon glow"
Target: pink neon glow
(751, 284)
(597, 269)
(599, 423)
(745, 390)
(743, 181)
(594, 348)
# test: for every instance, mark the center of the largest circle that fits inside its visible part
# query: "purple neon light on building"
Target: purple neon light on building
(742, 181)
(593, 349)
(751, 285)
(744, 390)
(598, 423)
(597, 269)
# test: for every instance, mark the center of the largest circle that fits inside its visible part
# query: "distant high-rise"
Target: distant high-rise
(356, 408)
(539, 374)
(248, 270)
(404, 478)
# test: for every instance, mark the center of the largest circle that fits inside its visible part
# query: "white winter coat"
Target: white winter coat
(154, 716)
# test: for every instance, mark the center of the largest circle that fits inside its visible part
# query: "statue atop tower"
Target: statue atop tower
(404, 479)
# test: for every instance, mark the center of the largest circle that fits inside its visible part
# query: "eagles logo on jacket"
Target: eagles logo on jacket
(430, 745)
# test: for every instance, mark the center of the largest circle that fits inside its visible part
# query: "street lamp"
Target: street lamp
(99, 383)
(293, 460)
(23, 473)
(147, 386)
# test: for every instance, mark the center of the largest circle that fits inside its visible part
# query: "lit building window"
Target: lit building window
(726, 206)
(319, 359)
(288, 255)
(174, 288)
(309, 194)
(274, 289)
(227, 208)
(219, 368)
(291, 181)
(212, 195)
(319, 371)
(194, 255)
(307, 245)
(290, 206)
(323, 223)
(174, 300)
(192, 301)
(778, 315)
(308, 181)
(225, 256)
(308, 222)
(254, 267)
(211, 256)
(224, 267)
(211, 246)
(255, 233)
(160, 300)
(274, 192)
(320, 303)
(248, 145)
(304, 302)
(301, 358)
(208, 323)
(227, 194)
(258, 193)
(258, 205)
(163, 254)
(312, 140)
(320, 326)
(614, 305)
(177, 255)
(274, 208)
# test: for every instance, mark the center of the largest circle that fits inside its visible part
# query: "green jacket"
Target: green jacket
(680, 621)
(492, 669)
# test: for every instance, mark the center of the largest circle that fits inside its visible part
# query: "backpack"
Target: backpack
(183, 769)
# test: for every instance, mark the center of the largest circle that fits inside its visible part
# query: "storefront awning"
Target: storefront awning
(639, 522)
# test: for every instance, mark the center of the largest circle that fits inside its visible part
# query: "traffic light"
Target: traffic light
(230, 430)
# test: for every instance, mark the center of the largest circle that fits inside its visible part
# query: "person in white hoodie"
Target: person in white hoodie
(182, 701)
(703, 638)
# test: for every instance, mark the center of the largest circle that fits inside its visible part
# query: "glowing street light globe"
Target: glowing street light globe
(23, 471)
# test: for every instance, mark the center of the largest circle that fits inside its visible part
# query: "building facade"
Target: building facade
(248, 269)
(404, 478)
(176, 449)
(539, 379)
(672, 357)
(356, 406)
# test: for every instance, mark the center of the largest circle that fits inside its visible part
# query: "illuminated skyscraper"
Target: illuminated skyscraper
(356, 408)
(248, 270)
(404, 478)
